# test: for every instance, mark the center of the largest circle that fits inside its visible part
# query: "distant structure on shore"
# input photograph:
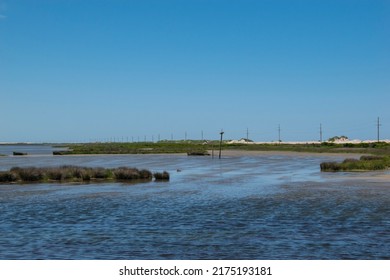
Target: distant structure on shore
(336, 141)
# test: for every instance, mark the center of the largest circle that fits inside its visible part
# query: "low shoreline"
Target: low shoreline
(226, 152)
(198, 148)
(284, 153)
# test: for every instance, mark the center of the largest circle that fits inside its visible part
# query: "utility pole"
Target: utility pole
(320, 133)
(220, 144)
(378, 125)
(279, 134)
(247, 134)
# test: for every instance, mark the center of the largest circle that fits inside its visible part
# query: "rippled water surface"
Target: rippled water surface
(240, 207)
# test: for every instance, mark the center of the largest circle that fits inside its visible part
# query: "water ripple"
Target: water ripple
(240, 208)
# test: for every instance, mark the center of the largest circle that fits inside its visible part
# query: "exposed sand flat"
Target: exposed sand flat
(283, 153)
(373, 176)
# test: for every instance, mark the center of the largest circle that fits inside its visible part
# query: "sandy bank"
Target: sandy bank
(284, 153)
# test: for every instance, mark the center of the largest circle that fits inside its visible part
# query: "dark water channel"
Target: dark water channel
(240, 207)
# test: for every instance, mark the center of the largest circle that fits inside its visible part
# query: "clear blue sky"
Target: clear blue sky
(79, 70)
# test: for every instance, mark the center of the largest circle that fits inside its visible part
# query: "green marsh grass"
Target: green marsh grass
(164, 176)
(201, 147)
(70, 173)
(365, 163)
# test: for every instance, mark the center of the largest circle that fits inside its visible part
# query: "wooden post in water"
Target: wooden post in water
(220, 145)
(378, 125)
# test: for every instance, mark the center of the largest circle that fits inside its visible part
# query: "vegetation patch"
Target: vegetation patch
(61, 153)
(365, 163)
(198, 153)
(69, 173)
(201, 147)
(7, 177)
(164, 176)
(126, 173)
(136, 148)
(19, 154)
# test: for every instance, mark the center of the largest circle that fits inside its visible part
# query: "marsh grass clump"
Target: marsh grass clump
(28, 174)
(100, 173)
(126, 173)
(7, 177)
(145, 174)
(350, 160)
(365, 163)
(330, 166)
(19, 154)
(80, 173)
(69, 173)
(198, 153)
(164, 176)
(55, 174)
(61, 153)
(372, 158)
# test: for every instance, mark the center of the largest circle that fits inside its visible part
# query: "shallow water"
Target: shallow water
(242, 207)
(37, 149)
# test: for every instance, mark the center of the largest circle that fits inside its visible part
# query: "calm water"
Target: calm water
(29, 149)
(248, 207)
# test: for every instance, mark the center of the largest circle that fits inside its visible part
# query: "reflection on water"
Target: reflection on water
(249, 207)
